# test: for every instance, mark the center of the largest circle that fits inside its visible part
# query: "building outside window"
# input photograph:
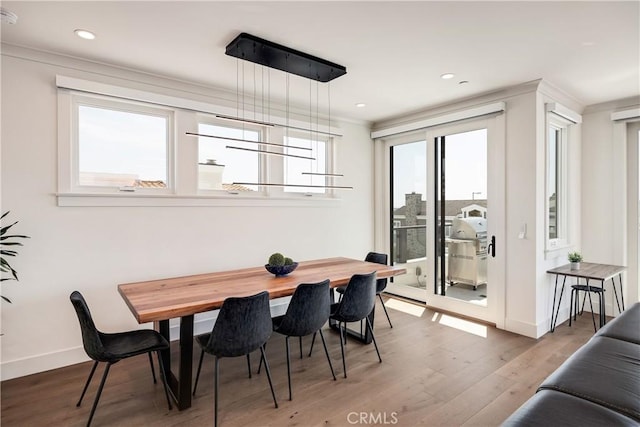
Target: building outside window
(219, 167)
(300, 171)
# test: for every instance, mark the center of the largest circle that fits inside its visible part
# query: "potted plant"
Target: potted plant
(8, 240)
(280, 265)
(574, 259)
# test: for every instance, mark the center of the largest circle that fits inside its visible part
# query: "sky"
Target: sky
(465, 167)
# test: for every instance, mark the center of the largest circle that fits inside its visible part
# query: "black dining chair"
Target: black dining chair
(357, 302)
(306, 314)
(113, 347)
(381, 284)
(243, 325)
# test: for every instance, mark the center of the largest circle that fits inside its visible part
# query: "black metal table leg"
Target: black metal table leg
(603, 310)
(555, 319)
(366, 337)
(180, 387)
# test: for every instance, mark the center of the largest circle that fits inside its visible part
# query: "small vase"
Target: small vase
(575, 266)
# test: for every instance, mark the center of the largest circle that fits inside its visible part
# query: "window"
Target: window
(301, 171)
(556, 185)
(219, 166)
(121, 145)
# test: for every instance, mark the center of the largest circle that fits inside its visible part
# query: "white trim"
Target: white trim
(564, 112)
(71, 83)
(631, 113)
(168, 200)
(467, 113)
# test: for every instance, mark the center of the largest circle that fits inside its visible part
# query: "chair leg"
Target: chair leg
(385, 310)
(313, 340)
(571, 305)
(324, 344)
(249, 364)
(84, 390)
(593, 316)
(153, 371)
(300, 339)
(288, 366)
(164, 379)
(373, 337)
(266, 368)
(216, 372)
(261, 359)
(195, 386)
(344, 363)
(95, 402)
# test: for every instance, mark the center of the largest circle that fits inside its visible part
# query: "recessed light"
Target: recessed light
(7, 16)
(84, 34)
(447, 76)
(361, 105)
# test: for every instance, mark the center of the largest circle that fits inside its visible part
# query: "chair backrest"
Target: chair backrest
(378, 258)
(243, 325)
(308, 309)
(91, 337)
(359, 297)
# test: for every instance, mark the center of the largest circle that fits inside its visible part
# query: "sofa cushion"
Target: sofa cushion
(603, 371)
(554, 408)
(624, 327)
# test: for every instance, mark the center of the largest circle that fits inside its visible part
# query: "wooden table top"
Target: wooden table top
(589, 270)
(164, 299)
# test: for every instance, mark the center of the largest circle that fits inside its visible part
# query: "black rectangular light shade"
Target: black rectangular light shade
(273, 55)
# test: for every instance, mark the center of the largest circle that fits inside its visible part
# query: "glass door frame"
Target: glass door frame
(495, 124)
(417, 294)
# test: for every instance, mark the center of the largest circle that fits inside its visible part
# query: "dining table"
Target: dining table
(161, 300)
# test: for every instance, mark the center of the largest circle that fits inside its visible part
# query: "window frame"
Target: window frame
(209, 119)
(121, 105)
(561, 127)
(329, 164)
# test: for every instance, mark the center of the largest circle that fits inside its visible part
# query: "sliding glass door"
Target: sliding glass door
(446, 199)
(408, 225)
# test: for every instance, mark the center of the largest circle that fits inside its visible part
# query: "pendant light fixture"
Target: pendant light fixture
(247, 47)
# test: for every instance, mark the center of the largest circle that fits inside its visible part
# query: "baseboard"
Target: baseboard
(71, 356)
(521, 328)
(42, 363)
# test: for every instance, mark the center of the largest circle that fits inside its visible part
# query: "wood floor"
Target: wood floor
(431, 374)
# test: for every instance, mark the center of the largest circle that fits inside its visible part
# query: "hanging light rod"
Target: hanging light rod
(257, 122)
(248, 140)
(322, 174)
(294, 185)
(260, 51)
(270, 152)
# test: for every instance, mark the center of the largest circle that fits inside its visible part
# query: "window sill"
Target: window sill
(169, 200)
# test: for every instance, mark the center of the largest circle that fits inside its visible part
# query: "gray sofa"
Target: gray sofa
(599, 385)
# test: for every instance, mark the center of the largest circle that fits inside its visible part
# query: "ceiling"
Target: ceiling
(394, 52)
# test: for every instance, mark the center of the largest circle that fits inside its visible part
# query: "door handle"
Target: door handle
(491, 249)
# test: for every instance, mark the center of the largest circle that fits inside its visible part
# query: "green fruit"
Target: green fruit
(276, 259)
(288, 261)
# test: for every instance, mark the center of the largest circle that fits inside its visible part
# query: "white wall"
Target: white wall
(604, 199)
(92, 249)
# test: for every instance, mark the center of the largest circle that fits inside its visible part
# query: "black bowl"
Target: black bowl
(281, 270)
